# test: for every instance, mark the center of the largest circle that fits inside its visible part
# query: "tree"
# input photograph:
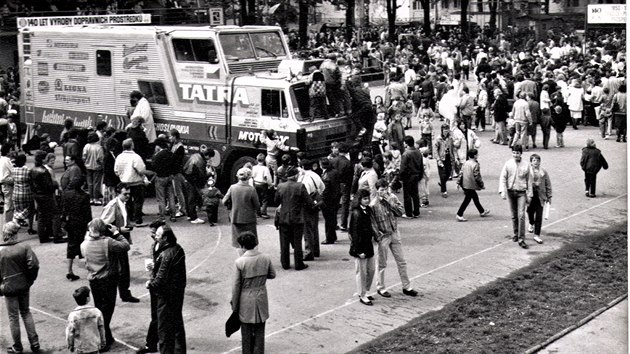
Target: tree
(248, 12)
(426, 8)
(464, 17)
(303, 22)
(391, 19)
(494, 4)
(350, 5)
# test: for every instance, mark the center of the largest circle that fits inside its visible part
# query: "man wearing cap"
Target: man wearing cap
(143, 110)
(18, 270)
(242, 200)
(292, 198)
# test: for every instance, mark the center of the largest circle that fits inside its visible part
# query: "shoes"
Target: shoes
(485, 213)
(538, 240)
(60, 240)
(309, 258)
(304, 266)
(481, 129)
(31, 232)
(343, 229)
(36, 349)
(328, 243)
(106, 348)
(72, 277)
(514, 238)
(410, 292)
(423, 205)
(366, 301)
(179, 214)
(98, 203)
(405, 216)
(197, 221)
(587, 194)
(211, 224)
(370, 297)
(12, 350)
(523, 244)
(445, 195)
(264, 216)
(146, 350)
(384, 293)
(592, 196)
(460, 218)
(131, 299)
(530, 229)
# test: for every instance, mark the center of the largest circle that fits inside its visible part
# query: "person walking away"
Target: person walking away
(249, 293)
(130, 168)
(620, 101)
(471, 181)
(110, 179)
(212, 197)
(592, 162)
(162, 162)
(445, 156)
(500, 109)
(362, 232)
(22, 194)
(545, 115)
(522, 119)
(575, 102)
(515, 184)
(482, 105)
(534, 110)
(85, 330)
(466, 106)
(330, 197)
(19, 267)
(315, 188)
(542, 194)
(6, 183)
(292, 198)
(411, 171)
(242, 200)
(101, 254)
(559, 118)
(93, 155)
(605, 113)
(317, 95)
(261, 175)
(76, 213)
(116, 214)
(386, 207)
(168, 281)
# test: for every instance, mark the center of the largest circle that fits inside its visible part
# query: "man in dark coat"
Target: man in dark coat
(411, 171)
(330, 197)
(168, 281)
(501, 110)
(345, 169)
(293, 197)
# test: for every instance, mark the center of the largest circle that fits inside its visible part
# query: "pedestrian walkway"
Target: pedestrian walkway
(605, 334)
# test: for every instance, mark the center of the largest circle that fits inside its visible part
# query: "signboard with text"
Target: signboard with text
(216, 16)
(57, 21)
(606, 14)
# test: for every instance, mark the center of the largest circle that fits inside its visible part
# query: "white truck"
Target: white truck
(219, 86)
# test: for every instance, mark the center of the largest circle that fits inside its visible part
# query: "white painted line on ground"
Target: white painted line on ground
(64, 320)
(350, 302)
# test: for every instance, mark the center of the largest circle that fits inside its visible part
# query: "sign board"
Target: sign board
(58, 21)
(216, 16)
(606, 14)
(450, 20)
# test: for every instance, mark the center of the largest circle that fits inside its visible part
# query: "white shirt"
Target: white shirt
(6, 169)
(143, 109)
(312, 182)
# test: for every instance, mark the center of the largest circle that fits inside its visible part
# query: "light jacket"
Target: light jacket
(85, 332)
(249, 290)
(130, 168)
(543, 186)
(101, 255)
(470, 177)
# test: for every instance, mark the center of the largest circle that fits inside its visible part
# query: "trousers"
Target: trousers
(364, 274)
(291, 234)
(590, 182)
(170, 323)
(535, 214)
(104, 295)
(253, 338)
(518, 202)
(311, 233)
(19, 306)
(329, 211)
(391, 243)
(470, 194)
(411, 197)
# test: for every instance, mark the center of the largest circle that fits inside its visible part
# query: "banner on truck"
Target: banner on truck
(58, 21)
(606, 14)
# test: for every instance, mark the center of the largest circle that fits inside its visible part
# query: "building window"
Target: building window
(103, 63)
(153, 91)
(417, 5)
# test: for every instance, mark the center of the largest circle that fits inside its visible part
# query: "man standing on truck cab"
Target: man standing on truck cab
(273, 146)
(143, 110)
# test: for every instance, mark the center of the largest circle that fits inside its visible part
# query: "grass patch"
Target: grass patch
(524, 309)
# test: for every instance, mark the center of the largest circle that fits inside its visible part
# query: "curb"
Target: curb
(581, 323)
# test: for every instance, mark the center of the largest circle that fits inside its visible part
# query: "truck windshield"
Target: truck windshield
(237, 46)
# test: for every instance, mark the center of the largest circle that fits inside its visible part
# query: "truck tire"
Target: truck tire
(238, 165)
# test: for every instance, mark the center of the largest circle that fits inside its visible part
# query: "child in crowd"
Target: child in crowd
(424, 181)
(261, 176)
(416, 98)
(212, 196)
(592, 162)
(391, 172)
(334, 150)
(396, 131)
(379, 134)
(426, 127)
(85, 332)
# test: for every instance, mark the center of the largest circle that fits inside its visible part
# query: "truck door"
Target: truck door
(103, 55)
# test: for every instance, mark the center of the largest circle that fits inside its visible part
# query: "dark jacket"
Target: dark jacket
(411, 165)
(41, 181)
(140, 141)
(109, 176)
(169, 272)
(76, 210)
(195, 170)
(163, 163)
(18, 268)
(72, 178)
(178, 158)
(501, 108)
(592, 160)
(211, 197)
(344, 168)
(331, 193)
(361, 232)
(72, 148)
(293, 197)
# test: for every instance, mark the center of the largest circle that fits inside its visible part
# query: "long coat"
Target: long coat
(249, 290)
(244, 202)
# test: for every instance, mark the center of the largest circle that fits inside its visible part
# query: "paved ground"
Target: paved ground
(605, 334)
(315, 311)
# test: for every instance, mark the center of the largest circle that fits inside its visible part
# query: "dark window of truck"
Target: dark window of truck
(273, 103)
(153, 91)
(300, 91)
(197, 50)
(103, 63)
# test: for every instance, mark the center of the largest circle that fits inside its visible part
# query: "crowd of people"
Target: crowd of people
(461, 87)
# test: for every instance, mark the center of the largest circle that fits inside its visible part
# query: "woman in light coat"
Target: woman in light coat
(574, 101)
(542, 195)
(249, 293)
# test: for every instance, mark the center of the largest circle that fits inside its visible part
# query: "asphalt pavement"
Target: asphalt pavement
(315, 310)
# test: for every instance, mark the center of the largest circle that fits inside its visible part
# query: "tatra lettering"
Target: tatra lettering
(210, 93)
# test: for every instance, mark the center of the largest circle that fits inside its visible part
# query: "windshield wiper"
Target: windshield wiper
(267, 51)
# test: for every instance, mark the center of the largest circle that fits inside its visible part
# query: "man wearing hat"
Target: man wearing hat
(292, 198)
(242, 200)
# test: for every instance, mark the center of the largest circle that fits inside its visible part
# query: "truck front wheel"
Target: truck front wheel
(238, 165)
